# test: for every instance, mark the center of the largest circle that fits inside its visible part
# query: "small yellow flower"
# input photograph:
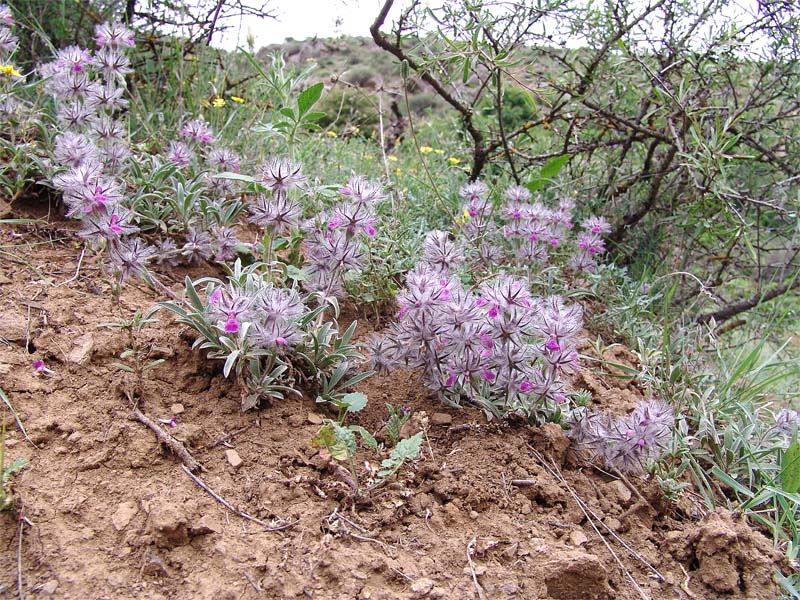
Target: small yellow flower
(439, 151)
(412, 170)
(392, 158)
(218, 102)
(453, 160)
(463, 218)
(9, 71)
(426, 150)
(237, 99)
(398, 170)
(356, 129)
(331, 133)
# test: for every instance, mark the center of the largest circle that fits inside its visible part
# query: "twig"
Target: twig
(224, 438)
(252, 582)
(20, 591)
(165, 438)
(77, 269)
(523, 482)
(231, 508)
(470, 548)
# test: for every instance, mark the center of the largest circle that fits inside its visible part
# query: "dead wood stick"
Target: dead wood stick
(470, 548)
(230, 506)
(170, 442)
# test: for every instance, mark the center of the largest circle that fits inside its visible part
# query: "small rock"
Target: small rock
(613, 523)
(314, 419)
(473, 515)
(13, 326)
(442, 419)
(233, 457)
(360, 575)
(422, 586)
(154, 565)
(578, 538)
(124, 515)
(576, 575)
(621, 490)
(82, 350)
(168, 526)
(49, 588)
(204, 525)
(511, 588)
(177, 409)
(296, 420)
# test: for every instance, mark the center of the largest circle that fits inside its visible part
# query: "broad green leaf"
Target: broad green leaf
(369, 440)
(408, 449)
(295, 274)
(309, 97)
(355, 401)
(552, 167)
(287, 112)
(790, 468)
(314, 116)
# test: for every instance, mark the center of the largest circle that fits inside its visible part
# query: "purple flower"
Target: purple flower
(281, 174)
(197, 131)
(113, 35)
(179, 153)
(231, 325)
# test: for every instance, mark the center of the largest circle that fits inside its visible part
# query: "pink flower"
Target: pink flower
(231, 325)
(525, 386)
(552, 345)
(216, 296)
(487, 375)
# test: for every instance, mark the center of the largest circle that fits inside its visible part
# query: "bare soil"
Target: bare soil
(488, 511)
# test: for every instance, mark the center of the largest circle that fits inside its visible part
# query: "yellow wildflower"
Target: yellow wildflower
(463, 218)
(453, 160)
(356, 129)
(439, 151)
(331, 133)
(398, 170)
(218, 102)
(9, 71)
(426, 149)
(237, 99)
(392, 158)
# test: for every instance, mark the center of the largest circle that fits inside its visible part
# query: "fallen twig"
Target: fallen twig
(165, 438)
(470, 548)
(224, 438)
(20, 591)
(231, 508)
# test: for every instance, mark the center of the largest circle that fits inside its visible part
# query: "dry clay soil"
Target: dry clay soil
(105, 511)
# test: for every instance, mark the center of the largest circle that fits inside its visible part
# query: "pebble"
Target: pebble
(621, 490)
(49, 588)
(314, 419)
(233, 457)
(81, 352)
(578, 538)
(124, 515)
(422, 586)
(296, 420)
(441, 419)
(177, 409)
(473, 515)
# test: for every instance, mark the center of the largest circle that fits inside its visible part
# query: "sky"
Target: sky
(301, 19)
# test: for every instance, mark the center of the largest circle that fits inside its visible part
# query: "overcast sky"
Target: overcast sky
(301, 19)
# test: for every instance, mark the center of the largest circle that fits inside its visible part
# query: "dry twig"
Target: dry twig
(170, 442)
(470, 549)
(231, 508)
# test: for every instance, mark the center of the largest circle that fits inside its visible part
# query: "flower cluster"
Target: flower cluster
(334, 244)
(629, 443)
(91, 151)
(522, 232)
(499, 347)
